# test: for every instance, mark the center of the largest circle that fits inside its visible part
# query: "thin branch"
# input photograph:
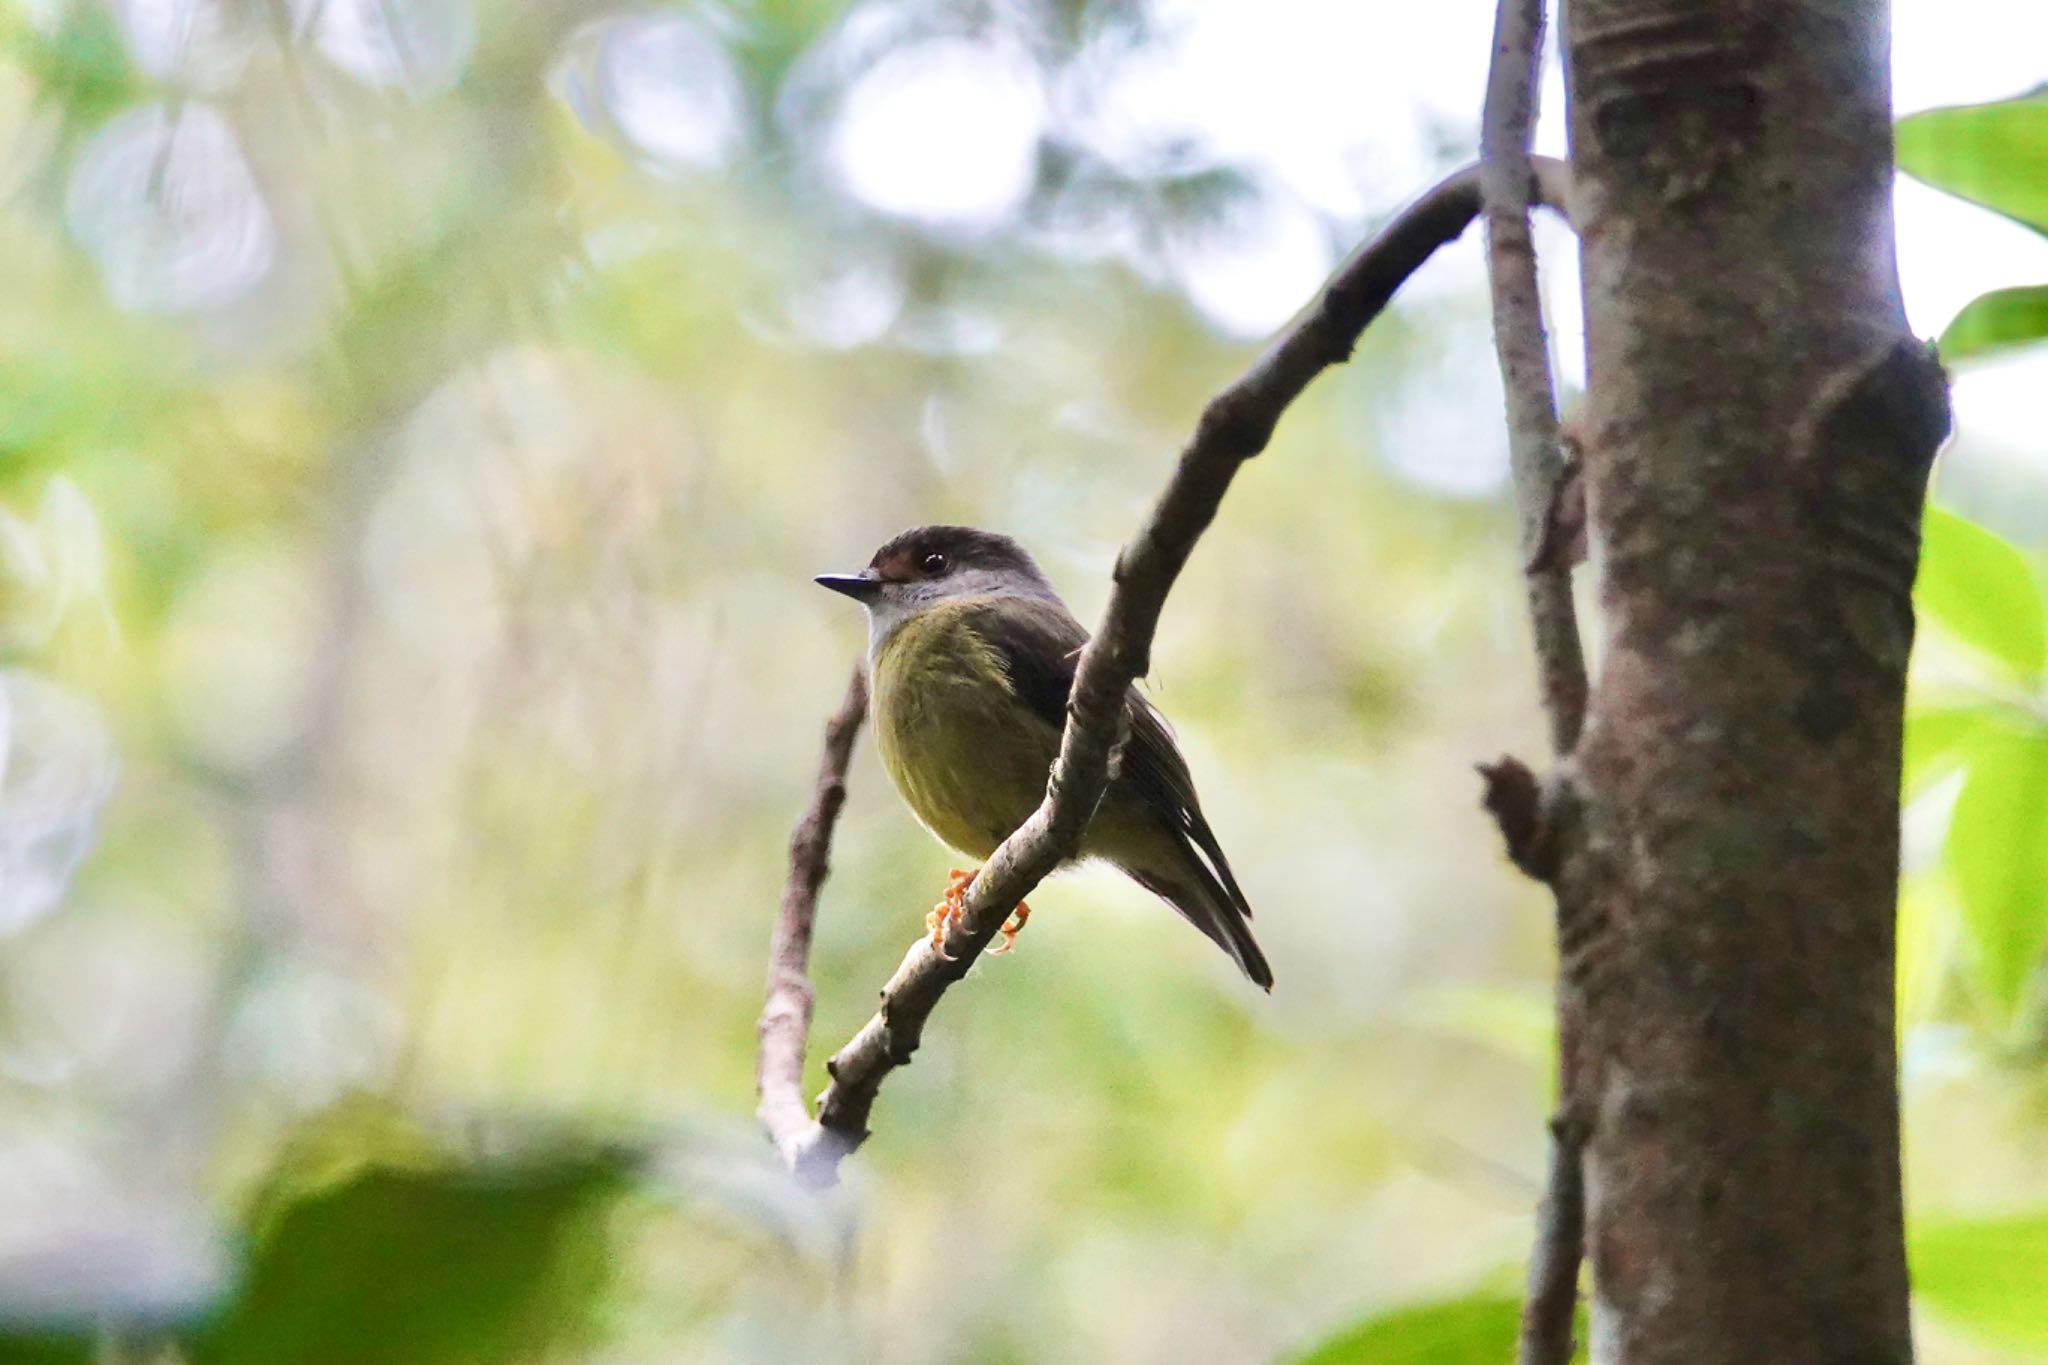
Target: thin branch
(786, 1017)
(1552, 1297)
(1536, 454)
(1534, 447)
(1234, 427)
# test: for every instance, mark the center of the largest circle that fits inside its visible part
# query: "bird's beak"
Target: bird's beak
(859, 586)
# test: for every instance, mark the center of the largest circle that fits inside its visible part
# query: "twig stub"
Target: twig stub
(1514, 798)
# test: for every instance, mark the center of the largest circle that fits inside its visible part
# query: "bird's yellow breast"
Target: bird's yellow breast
(969, 758)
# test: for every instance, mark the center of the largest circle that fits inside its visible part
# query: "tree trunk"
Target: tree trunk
(1757, 435)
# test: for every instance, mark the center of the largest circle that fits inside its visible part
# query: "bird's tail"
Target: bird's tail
(1208, 897)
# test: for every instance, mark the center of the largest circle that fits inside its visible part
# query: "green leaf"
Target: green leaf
(451, 1265)
(1997, 321)
(1989, 154)
(53, 1348)
(1479, 1328)
(1998, 858)
(1981, 590)
(80, 66)
(1988, 1279)
(1938, 740)
(1927, 913)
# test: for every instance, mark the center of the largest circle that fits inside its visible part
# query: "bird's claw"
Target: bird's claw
(946, 913)
(1011, 928)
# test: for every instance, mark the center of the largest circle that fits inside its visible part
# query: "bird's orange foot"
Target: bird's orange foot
(947, 912)
(1011, 928)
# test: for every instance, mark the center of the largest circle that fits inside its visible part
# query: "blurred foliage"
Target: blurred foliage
(432, 1261)
(1982, 730)
(55, 1347)
(373, 1240)
(1998, 859)
(1479, 1330)
(1982, 591)
(1988, 1276)
(80, 65)
(421, 422)
(1976, 768)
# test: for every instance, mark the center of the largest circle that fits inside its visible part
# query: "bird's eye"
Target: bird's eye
(935, 563)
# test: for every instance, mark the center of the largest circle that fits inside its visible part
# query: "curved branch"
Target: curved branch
(1234, 427)
(786, 1017)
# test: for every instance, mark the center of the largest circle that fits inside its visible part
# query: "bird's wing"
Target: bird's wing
(1039, 643)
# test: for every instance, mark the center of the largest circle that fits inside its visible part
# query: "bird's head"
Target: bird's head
(929, 564)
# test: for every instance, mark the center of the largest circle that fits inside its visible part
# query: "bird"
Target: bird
(971, 656)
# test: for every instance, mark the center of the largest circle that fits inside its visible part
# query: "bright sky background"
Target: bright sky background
(1336, 109)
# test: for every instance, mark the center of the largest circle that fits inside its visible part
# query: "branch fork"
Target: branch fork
(1234, 426)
